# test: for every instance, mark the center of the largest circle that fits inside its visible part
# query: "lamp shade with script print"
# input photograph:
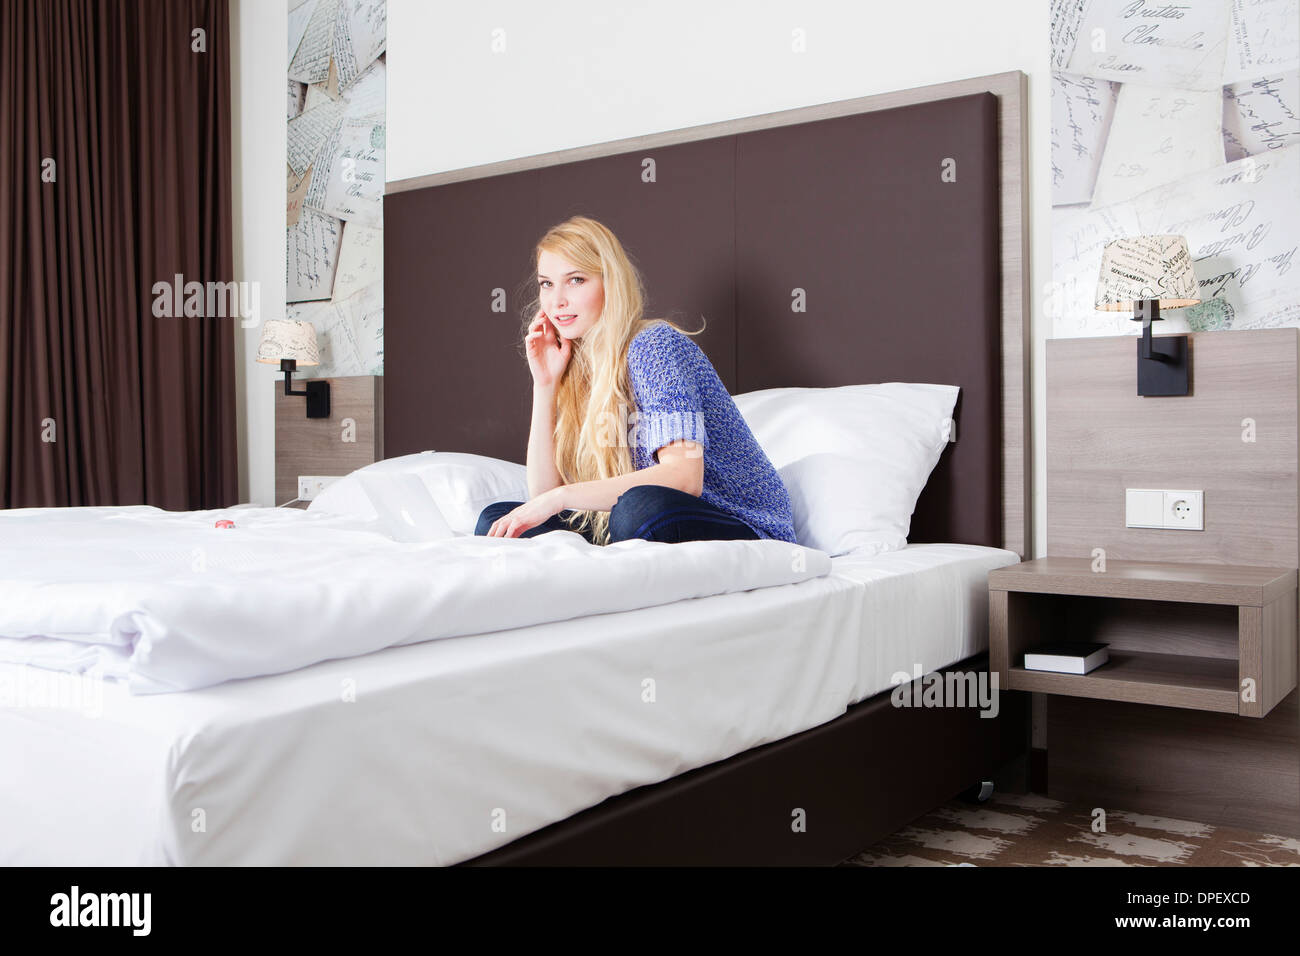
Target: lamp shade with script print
(288, 339)
(1141, 268)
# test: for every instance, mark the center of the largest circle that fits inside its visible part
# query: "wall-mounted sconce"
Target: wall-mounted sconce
(1142, 275)
(289, 342)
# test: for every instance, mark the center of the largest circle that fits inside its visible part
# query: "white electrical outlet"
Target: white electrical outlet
(1185, 509)
(1159, 508)
(309, 486)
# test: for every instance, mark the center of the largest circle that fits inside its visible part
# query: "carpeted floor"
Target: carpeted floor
(1032, 830)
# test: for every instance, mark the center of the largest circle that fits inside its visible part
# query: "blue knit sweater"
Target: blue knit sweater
(680, 397)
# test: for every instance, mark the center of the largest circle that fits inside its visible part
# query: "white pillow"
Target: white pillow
(462, 485)
(854, 459)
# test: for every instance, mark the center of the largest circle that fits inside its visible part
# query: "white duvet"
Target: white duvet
(168, 602)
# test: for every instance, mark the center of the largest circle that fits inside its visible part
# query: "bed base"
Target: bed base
(858, 778)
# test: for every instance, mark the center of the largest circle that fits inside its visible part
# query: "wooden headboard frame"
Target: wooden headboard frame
(430, 364)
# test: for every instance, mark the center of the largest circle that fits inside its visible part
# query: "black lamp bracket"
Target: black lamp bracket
(317, 391)
(1147, 311)
(1162, 364)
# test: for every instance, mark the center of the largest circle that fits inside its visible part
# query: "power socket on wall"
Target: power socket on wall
(309, 486)
(1160, 508)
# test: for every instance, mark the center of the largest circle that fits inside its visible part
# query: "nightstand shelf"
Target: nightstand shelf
(1218, 638)
(1176, 680)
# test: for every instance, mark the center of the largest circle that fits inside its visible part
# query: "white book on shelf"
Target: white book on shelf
(1071, 657)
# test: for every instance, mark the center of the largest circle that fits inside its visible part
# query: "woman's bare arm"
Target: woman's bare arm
(542, 473)
(681, 466)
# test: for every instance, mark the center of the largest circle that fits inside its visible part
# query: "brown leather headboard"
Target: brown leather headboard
(889, 220)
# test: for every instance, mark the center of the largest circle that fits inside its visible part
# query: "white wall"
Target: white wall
(259, 35)
(578, 73)
(588, 71)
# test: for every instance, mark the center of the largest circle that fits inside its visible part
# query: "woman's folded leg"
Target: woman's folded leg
(660, 513)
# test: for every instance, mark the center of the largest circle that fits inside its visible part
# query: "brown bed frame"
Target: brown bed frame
(901, 216)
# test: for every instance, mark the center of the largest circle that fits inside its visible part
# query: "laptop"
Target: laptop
(406, 510)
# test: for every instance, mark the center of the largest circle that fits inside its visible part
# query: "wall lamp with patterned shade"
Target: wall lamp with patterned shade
(1144, 274)
(290, 342)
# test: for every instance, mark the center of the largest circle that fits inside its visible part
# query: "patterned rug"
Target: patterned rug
(1032, 830)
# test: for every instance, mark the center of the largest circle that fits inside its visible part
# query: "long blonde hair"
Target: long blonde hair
(594, 398)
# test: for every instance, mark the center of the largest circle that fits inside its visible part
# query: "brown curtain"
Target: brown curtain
(101, 402)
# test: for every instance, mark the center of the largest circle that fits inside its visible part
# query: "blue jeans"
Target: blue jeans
(652, 512)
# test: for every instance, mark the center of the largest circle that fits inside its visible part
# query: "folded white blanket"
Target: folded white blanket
(168, 602)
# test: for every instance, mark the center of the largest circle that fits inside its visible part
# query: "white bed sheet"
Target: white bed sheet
(435, 753)
(171, 603)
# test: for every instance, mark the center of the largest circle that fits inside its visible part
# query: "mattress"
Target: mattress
(436, 753)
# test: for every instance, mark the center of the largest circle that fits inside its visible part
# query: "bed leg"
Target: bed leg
(979, 792)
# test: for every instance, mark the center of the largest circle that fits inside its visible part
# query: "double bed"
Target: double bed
(751, 725)
(435, 753)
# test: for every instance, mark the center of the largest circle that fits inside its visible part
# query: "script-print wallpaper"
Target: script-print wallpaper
(1177, 118)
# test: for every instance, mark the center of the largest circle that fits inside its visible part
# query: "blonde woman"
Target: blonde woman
(633, 434)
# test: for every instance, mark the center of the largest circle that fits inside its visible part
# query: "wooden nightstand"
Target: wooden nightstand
(1213, 637)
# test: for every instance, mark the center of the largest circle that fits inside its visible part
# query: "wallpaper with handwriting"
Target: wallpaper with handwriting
(335, 169)
(1177, 118)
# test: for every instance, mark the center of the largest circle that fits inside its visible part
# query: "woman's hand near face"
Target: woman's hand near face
(548, 353)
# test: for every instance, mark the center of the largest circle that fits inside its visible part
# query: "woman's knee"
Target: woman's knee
(491, 513)
(638, 505)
